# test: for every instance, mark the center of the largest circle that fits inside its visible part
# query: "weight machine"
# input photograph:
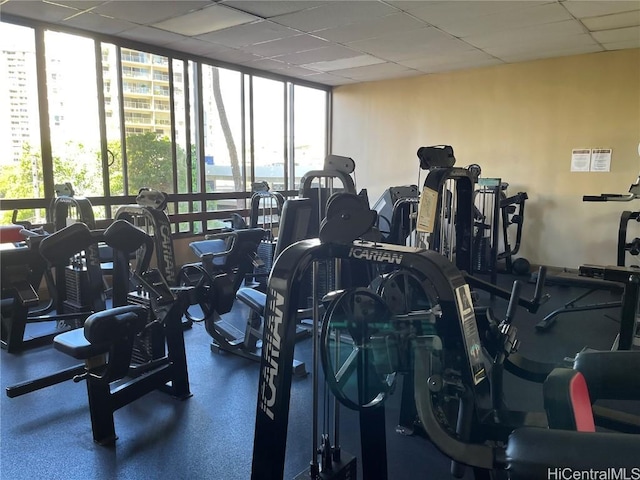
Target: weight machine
(75, 282)
(594, 278)
(420, 320)
(149, 214)
(111, 341)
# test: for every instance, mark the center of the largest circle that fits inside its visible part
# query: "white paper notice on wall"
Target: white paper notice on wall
(601, 160)
(427, 210)
(580, 159)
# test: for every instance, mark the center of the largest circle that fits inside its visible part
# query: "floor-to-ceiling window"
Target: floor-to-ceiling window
(116, 119)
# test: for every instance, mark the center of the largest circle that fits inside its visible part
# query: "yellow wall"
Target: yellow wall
(519, 122)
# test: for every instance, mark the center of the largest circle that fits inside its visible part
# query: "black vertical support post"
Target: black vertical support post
(372, 424)
(175, 347)
(495, 221)
(101, 411)
(628, 313)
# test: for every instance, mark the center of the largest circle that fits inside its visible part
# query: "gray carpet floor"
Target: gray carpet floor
(47, 434)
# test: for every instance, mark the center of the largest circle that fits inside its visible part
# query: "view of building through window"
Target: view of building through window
(20, 162)
(165, 128)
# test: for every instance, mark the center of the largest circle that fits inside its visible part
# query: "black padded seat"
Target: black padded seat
(75, 344)
(255, 299)
(210, 247)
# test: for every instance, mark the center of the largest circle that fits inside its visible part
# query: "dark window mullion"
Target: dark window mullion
(106, 188)
(285, 137)
(200, 136)
(251, 133)
(43, 110)
(123, 130)
(291, 184)
(187, 120)
(174, 149)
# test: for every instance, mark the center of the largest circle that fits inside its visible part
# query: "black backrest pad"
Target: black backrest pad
(115, 323)
(58, 247)
(295, 223)
(125, 236)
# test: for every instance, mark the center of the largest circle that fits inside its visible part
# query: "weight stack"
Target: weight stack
(76, 282)
(482, 253)
(265, 252)
(149, 345)
(325, 282)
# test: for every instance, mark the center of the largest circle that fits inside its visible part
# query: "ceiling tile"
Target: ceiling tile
(264, 63)
(370, 28)
(593, 8)
(617, 20)
(335, 13)
(97, 23)
(410, 44)
(453, 66)
(249, 34)
(299, 43)
(325, 54)
(526, 34)
(37, 10)
(151, 35)
(271, 8)
(622, 45)
(210, 19)
(410, 5)
(432, 60)
(462, 19)
(80, 4)
(140, 11)
(194, 46)
(343, 63)
(540, 54)
(231, 55)
(328, 79)
(542, 45)
(617, 35)
(381, 69)
(293, 71)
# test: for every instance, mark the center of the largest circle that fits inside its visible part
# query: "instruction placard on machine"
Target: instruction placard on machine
(470, 333)
(427, 210)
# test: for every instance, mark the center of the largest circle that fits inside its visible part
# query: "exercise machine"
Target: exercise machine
(397, 210)
(368, 336)
(76, 290)
(266, 211)
(149, 213)
(495, 213)
(108, 341)
(599, 282)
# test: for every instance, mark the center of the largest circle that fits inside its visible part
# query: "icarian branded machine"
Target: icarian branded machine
(370, 333)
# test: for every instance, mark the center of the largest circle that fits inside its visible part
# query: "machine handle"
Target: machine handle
(609, 197)
(513, 302)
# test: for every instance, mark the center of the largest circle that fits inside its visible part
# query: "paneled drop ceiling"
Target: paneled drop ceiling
(341, 42)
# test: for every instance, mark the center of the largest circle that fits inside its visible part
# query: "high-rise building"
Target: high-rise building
(145, 92)
(18, 104)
